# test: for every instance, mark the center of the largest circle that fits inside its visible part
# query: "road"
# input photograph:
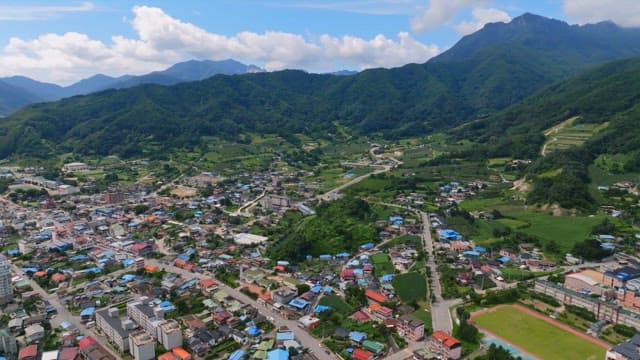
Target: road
(64, 314)
(247, 205)
(303, 336)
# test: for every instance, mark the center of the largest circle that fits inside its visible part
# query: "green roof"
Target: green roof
(266, 345)
(373, 346)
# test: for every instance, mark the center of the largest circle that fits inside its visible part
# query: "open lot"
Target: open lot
(410, 287)
(382, 264)
(538, 335)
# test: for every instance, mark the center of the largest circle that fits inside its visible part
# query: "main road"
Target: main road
(303, 336)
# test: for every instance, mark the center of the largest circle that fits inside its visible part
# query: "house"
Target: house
(373, 346)
(375, 296)
(628, 350)
(34, 332)
(359, 354)
(357, 337)
(444, 344)
(278, 354)
(28, 353)
(410, 327)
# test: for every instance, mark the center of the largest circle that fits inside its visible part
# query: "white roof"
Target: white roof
(50, 355)
(249, 239)
(583, 278)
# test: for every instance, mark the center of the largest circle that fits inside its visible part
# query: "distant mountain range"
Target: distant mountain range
(482, 75)
(19, 91)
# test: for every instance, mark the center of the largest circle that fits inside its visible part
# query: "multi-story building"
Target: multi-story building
(169, 334)
(89, 349)
(628, 350)
(411, 328)
(143, 314)
(6, 289)
(142, 346)
(8, 344)
(116, 330)
(445, 345)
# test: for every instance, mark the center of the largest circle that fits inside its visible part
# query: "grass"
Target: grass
(337, 304)
(565, 230)
(382, 264)
(537, 336)
(425, 316)
(410, 287)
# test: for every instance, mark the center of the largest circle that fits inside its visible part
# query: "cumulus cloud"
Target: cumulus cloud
(622, 12)
(163, 40)
(481, 17)
(438, 13)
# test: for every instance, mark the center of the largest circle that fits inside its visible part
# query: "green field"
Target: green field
(337, 304)
(410, 287)
(425, 316)
(382, 264)
(537, 336)
(565, 230)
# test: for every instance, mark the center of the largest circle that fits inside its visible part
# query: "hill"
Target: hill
(13, 97)
(478, 77)
(193, 70)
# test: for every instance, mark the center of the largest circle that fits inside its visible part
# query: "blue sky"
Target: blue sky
(64, 41)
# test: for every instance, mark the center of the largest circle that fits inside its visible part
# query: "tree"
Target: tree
(302, 288)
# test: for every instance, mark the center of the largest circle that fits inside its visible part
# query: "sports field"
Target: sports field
(538, 335)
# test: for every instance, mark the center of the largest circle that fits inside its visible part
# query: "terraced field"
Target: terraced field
(568, 134)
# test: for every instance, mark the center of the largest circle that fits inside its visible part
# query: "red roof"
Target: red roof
(139, 246)
(86, 341)
(207, 283)
(359, 354)
(444, 338)
(28, 352)
(360, 316)
(166, 356)
(385, 311)
(375, 296)
(68, 353)
(346, 273)
(181, 353)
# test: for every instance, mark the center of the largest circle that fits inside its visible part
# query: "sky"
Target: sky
(65, 41)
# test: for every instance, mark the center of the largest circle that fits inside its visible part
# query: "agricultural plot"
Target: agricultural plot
(337, 304)
(382, 264)
(539, 335)
(568, 134)
(410, 287)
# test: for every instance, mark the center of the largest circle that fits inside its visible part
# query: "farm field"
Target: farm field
(410, 287)
(537, 336)
(382, 264)
(568, 134)
(337, 304)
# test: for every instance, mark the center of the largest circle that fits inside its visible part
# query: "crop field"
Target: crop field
(568, 134)
(538, 335)
(410, 287)
(382, 264)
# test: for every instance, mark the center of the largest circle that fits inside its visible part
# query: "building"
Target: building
(275, 202)
(411, 328)
(89, 349)
(117, 331)
(146, 316)
(170, 335)
(6, 288)
(585, 282)
(28, 353)
(142, 346)
(34, 332)
(75, 166)
(8, 344)
(628, 350)
(249, 239)
(619, 277)
(115, 198)
(445, 345)
(283, 296)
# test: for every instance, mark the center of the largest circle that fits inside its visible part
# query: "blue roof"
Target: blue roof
(79, 257)
(328, 289)
(95, 270)
(184, 257)
(504, 259)
(278, 354)
(237, 355)
(284, 336)
(342, 255)
(316, 289)
(13, 252)
(128, 262)
(128, 277)
(166, 305)
(321, 308)
(357, 336)
(386, 278)
(298, 303)
(88, 311)
(367, 245)
(471, 253)
(480, 249)
(325, 257)
(66, 324)
(253, 331)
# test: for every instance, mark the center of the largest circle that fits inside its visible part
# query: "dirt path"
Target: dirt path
(547, 319)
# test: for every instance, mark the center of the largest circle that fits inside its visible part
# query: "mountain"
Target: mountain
(192, 70)
(411, 100)
(13, 97)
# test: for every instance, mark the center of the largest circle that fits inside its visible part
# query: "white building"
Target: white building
(142, 346)
(6, 288)
(249, 239)
(145, 315)
(117, 331)
(170, 335)
(75, 166)
(8, 343)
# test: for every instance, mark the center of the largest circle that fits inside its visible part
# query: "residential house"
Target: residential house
(445, 345)
(410, 328)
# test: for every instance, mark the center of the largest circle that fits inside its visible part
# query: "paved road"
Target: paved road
(303, 337)
(64, 314)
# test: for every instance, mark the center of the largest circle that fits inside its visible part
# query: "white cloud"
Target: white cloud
(438, 13)
(622, 12)
(481, 17)
(36, 12)
(163, 40)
